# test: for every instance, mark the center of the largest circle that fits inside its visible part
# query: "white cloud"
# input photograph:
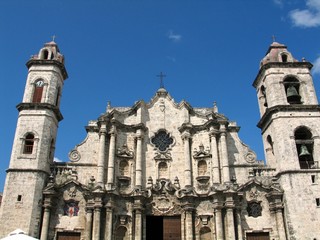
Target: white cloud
(309, 17)
(172, 59)
(316, 66)
(55, 159)
(278, 2)
(174, 37)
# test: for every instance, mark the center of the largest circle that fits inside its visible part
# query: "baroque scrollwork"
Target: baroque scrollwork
(74, 156)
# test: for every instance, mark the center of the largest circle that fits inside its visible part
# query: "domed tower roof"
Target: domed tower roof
(277, 52)
(50, 51)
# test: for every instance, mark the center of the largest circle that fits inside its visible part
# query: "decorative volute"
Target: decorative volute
(277, 52)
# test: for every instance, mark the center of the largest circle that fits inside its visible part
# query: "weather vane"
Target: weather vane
(161, 76)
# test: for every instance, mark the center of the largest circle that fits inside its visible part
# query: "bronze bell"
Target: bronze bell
(304, 151)
(292, 94)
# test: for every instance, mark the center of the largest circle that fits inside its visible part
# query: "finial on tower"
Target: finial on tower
(161, 76)
(53, 38)
(215, 107)
(273, 38)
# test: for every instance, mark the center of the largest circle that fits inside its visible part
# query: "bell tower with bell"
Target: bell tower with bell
(290, 126)
(34, 142)
(289, 111)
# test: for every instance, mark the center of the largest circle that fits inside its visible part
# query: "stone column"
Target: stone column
(96, 221)
(139, 135)
(183, 227)
(112, 152)
(239, 226)
(224, 154)
(88, 230)
(187, 157)
(189, 223)
(229, 204)
(102, 157)
(45, 223)
(138, 221)
(280, 224)
(218, 222)
(109, 215)
(215, 157)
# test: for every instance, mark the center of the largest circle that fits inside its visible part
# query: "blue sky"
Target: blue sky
(209, 49)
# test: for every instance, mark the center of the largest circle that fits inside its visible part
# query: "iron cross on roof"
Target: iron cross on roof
(161, 76)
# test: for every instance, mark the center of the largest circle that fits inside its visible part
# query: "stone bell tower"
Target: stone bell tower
(289, 110)
(290, 125)
(34, 142)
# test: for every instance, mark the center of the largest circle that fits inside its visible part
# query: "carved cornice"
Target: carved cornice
(49, 62)
(41, 106)
(195, 128)
(279, 65)
(285, 108)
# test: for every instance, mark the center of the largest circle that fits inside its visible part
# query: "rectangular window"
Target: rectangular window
(313, 178)
(318, 202)
(19, 198)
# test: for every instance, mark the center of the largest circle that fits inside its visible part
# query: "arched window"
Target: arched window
(202, 168)
(124, 168)
(37, 95)
(163, 170)
(269, 140)
(284, 58)
(292, 88)
(304, 144)
(51, 151)
(28, 144)
(44, 54)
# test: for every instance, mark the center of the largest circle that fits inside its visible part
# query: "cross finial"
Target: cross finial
(273, 38)
(161, 76)
(53, 38)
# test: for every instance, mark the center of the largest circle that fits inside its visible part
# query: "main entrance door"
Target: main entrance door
(68, 236)
(163, 228)
(258, 236)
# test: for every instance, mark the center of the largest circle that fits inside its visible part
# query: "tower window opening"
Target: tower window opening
(292, 87)
(269, 140)
(28, 144)
(44, 54)
(37, 95)
(284, 58)
(318, 202)
(304, 145)
(263, 92)
(19, 198)
(58, 97)
(313, 178)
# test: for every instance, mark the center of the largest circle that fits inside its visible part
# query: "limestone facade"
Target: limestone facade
(166, 164)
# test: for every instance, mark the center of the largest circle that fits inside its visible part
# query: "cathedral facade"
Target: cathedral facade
(167, 170)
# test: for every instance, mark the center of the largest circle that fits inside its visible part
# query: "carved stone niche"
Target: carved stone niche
(125, 157)
(201, 157)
